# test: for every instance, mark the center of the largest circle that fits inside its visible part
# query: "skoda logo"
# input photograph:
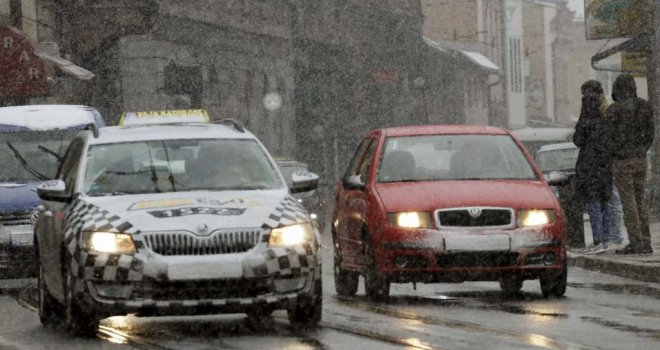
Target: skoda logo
(202, 230)
(474, 212)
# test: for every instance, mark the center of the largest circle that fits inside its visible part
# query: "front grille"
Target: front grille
(475, 217)
(202, 290)
(15, 218)
(219, 242)
(477, 259)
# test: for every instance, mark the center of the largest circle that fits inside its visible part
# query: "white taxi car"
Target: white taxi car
(183, 219)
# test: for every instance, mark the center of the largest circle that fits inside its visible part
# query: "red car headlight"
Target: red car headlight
(536, 217)
(410, 219)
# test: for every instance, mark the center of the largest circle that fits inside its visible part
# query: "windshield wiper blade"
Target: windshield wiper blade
(51, 152)
(24, 163)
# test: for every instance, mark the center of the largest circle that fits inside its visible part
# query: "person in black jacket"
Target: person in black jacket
(629, 134)
(592, 169)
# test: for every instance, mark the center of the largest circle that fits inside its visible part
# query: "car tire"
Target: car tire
(77, 322)
(511, 285)
(307, 312)
(554, 285)
(51, 312)
(376, 286)
(346, 282)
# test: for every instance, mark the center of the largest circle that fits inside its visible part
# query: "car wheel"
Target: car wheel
(376, 286)
(511, 285)
(50, 310)
(554, 285)
(77, 322)
(346, 282)
(306, 314)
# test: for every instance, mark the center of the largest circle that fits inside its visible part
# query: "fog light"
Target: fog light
(549, 258)
(289, 284)
(401, 261)
(113, 291)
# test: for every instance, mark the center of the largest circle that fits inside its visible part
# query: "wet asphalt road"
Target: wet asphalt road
(598, 312)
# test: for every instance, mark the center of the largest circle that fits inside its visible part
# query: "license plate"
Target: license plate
(478, 243)
(201, 269)
(22, 239)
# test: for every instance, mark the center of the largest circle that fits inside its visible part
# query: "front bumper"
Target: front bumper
(457, 256)
(152, 285)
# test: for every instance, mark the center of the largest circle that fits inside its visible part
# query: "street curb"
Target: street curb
(647, 273)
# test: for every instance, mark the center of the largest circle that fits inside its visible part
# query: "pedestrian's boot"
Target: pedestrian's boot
(646, 249)
(629, 249)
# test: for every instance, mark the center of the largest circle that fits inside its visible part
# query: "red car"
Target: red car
(446, 203)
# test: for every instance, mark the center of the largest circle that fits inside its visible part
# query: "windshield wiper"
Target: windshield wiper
(24, 163)
(51, 152)
(169, 168)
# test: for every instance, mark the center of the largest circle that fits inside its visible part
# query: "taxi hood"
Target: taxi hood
(432, 195)
(190, 211)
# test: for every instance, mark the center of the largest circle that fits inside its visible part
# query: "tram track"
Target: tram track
(532, 339)
(117, 336)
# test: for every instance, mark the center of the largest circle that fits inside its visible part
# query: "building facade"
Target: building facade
(465, 30)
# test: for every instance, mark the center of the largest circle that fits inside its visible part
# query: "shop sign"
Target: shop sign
(610, 19)
(22, 71)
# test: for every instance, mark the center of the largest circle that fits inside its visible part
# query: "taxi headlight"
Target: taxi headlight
(109, 242)
(535, 217)
(291, 235)
(410, 219)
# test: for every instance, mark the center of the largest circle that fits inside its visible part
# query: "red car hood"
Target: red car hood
(432, 195)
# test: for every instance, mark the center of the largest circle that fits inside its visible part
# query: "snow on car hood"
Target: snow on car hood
(432, 195)
(192, 210)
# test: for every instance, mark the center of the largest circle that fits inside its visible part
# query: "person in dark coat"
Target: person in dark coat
(592, 169)
(629, 134)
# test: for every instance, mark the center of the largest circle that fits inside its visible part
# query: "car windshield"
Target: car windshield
(557, 160)
(453, 157)
(178, 165)
(25, 156)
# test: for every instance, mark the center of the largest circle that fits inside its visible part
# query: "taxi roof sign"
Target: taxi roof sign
(177, 116)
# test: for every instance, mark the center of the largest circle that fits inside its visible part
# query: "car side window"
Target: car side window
(362, 159)
(69, 168)
(357, 157)
(367, 161)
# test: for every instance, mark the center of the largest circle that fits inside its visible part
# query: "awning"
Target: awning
(639, 43)
(481, 60)
(26, 70)
(472, 57)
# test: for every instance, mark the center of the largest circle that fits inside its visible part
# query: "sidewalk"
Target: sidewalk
(640, 267)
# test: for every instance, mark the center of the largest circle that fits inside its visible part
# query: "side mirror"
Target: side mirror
(558, 178)
(54, 190)
(303, 181)
(354, 182)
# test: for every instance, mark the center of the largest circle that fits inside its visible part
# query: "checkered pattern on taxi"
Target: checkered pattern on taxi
(109, 267)
(286, 262)
(288, 212)
(131, 305)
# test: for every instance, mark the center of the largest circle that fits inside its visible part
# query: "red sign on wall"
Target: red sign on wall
(22, 71)
(384, 75)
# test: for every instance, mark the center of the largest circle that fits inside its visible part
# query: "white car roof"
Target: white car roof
(47, 117)
(556, 147)
(116, 134)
